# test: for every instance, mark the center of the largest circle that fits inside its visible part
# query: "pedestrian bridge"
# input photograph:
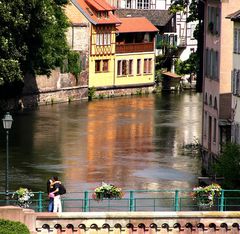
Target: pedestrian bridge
(125, 222)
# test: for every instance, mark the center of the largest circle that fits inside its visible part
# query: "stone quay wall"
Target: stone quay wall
(212, 222)
(44, 90)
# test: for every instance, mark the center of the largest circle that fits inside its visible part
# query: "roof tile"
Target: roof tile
(136, 25)
(157, 17)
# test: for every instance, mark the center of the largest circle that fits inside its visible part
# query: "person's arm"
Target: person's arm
(57, 187)
(56, 182)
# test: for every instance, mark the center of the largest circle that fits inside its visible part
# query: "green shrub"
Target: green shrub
(228, 166)
(91, 93)
(12, 227)
(74, 64)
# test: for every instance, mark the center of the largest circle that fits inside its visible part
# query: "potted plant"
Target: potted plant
(205, 195)
(23, 197)
(108, 191)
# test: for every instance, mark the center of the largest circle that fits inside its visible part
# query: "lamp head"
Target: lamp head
(7, 121)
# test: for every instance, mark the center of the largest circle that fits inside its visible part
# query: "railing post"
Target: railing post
(40, 206)
(131, 201)
(176, 205)
(222, 201)
(86, 202)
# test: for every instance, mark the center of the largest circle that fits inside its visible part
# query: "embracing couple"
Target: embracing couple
(54, 194)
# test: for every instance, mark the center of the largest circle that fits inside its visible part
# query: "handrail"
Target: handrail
(134, 200)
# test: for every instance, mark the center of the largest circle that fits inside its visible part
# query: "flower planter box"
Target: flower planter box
(107, 191)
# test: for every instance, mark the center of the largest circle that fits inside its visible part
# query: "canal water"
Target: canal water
(132, 142)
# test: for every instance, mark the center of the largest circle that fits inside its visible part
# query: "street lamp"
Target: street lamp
(7, 124)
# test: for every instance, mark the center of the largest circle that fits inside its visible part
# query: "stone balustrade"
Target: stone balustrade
(213, 222)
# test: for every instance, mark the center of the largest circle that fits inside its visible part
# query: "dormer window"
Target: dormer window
(129, 4)
(99, 15)
(106, 14)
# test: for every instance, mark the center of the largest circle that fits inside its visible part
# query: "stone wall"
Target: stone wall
(26, 216)
(139, 222)
(126, 222)
(43, 90)
(124, 91)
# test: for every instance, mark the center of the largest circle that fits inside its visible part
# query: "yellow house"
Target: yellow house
(135, 52)
(118, 52)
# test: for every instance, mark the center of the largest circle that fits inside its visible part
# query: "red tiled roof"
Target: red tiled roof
(100, 5)
(138, 24)
(171, 74)
(90, 11)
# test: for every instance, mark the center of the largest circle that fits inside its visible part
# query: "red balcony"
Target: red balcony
(134, 47)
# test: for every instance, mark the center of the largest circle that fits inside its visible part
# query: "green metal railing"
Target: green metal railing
(134, 200)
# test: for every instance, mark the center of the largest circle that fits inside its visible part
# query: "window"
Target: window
(205, 123)
(103, 39)
(101, 65)
(97, 66)
(129, 3)
(236, 45)
(139, 4)
(206, 64)
(105, 65)
(210, 100)
(192, 29)
(215, 65)
(124, 67)
(214, 130)
(214, 20)
(138, 66)
(106, 14)
(236, 82)
(215, 103)
(143, 4)
(146, 4)
(206, 99)
(147, 66)
(119, 65)
(130, 67)
(212, 64)
(236, 133)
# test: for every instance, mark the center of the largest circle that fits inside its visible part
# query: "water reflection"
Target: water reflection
(131, 142)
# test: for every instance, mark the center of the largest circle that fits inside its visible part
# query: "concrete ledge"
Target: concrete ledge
(140, 215)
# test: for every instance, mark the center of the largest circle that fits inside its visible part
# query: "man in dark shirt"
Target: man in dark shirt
(57, 204)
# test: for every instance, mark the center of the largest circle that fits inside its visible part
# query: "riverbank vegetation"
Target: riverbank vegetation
(228, 166)
(193, 149)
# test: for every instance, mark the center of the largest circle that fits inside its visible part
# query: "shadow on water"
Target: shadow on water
(133, 142)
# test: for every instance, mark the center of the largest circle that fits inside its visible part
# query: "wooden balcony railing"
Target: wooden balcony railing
(134, 47)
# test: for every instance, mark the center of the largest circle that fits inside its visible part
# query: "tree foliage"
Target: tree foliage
(178, 6)
(74, 63)
(195, 10)
(191, 65)
(184, 6)
(228, 166)
(32, 37)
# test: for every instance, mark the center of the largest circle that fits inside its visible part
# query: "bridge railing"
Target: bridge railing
(133, 200)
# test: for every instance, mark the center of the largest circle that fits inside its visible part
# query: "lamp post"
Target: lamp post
(7, 124)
